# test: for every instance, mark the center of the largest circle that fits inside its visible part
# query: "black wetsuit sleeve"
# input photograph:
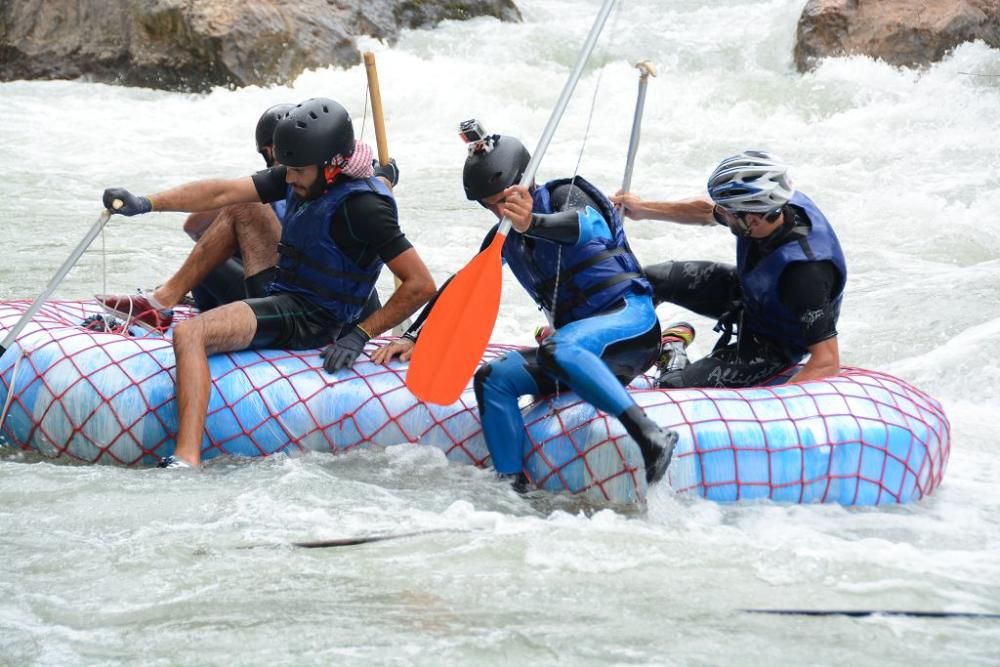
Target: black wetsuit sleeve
(366, 227)
(808, 290)
(270, 184)
(562, 226)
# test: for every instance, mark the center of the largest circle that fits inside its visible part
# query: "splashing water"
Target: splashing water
(115, 566)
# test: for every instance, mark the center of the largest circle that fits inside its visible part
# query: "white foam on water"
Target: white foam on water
(109, 566)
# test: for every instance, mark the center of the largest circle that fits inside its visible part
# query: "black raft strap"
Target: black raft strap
(572, 271)
(296, 256)
(317, 289)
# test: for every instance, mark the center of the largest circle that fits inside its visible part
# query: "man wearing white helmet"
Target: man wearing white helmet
(783, 296)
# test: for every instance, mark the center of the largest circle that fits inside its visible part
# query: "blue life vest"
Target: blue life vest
(763, 312)
(311, 264)
(593, 275)
(279, 208)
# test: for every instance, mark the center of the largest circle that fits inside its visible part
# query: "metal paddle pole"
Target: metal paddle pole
(56, 279)
(646, 70)
(564, 97)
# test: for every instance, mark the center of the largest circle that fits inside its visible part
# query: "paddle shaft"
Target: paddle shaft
(560, 108)
(863, 613)
(368, 539)
(54, 282)
(645, 71)
(355, 541)
(381, 139)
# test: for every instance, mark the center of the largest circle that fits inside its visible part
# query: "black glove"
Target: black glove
(344, 351)
(120, 200)
(390, 171)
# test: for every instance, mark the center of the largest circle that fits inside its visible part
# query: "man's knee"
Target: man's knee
(546, 355)
(189, 333)
(507, 376)
(253, 215)
(479, 381)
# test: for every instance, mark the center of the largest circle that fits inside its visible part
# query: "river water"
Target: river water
(108, 566)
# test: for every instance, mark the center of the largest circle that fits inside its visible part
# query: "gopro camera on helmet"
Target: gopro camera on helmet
(472, 133)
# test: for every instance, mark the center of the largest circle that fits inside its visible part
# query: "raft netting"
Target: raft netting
(730, 430)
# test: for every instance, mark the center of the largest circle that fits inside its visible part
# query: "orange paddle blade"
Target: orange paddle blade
(457, 330)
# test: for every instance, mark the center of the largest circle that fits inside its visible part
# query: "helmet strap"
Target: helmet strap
(331, 172)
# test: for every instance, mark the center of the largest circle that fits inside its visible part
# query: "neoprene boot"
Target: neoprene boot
(518, 481)
(673, 345)
(656, 443)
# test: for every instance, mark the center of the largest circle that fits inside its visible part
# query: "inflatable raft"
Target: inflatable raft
(862, 438)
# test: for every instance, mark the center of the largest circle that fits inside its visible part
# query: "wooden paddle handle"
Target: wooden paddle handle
(381, 141)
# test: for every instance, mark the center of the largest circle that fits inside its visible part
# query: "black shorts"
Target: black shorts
(293, 322)
(226, 284)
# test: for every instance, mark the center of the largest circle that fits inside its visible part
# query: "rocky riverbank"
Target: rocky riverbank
(900, 32)
(193, 45)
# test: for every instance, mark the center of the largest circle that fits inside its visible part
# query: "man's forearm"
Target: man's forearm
(405, 301)
(205, 195)
(685, 212)
(815, 371)
(824, 361)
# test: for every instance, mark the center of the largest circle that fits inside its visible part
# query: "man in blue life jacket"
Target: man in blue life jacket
(341, 226)
(783, 296)
(229, 281)
(567, 248)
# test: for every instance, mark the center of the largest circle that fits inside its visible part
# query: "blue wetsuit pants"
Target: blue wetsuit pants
(595, 357)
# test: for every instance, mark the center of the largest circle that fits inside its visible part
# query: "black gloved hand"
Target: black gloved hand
(344, 351)
(120, 200)
(389, 171)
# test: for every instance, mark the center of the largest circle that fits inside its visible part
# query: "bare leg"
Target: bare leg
(257, 232)
(224, 329)
(197, 223)
(252, 224)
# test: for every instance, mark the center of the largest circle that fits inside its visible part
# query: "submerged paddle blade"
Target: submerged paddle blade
(457, 330)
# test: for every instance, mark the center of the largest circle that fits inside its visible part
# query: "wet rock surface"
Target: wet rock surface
(193, 45)
(900, 32)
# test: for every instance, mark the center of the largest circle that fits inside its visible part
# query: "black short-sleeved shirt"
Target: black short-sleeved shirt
(365, 227)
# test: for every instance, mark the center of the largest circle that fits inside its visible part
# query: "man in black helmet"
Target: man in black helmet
(229, 281)
(567, 248)
(340, 228)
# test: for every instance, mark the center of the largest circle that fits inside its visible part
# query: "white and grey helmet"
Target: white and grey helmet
(751, 182)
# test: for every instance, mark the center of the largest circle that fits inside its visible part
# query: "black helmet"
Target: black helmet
(314, 132)
(265, 126)
(489, 172)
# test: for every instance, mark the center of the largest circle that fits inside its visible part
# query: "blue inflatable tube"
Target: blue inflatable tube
(861, 438)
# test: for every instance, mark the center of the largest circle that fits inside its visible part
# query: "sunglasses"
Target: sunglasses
(724, 216)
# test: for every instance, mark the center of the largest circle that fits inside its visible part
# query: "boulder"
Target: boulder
(193, 45)
(900, 32)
